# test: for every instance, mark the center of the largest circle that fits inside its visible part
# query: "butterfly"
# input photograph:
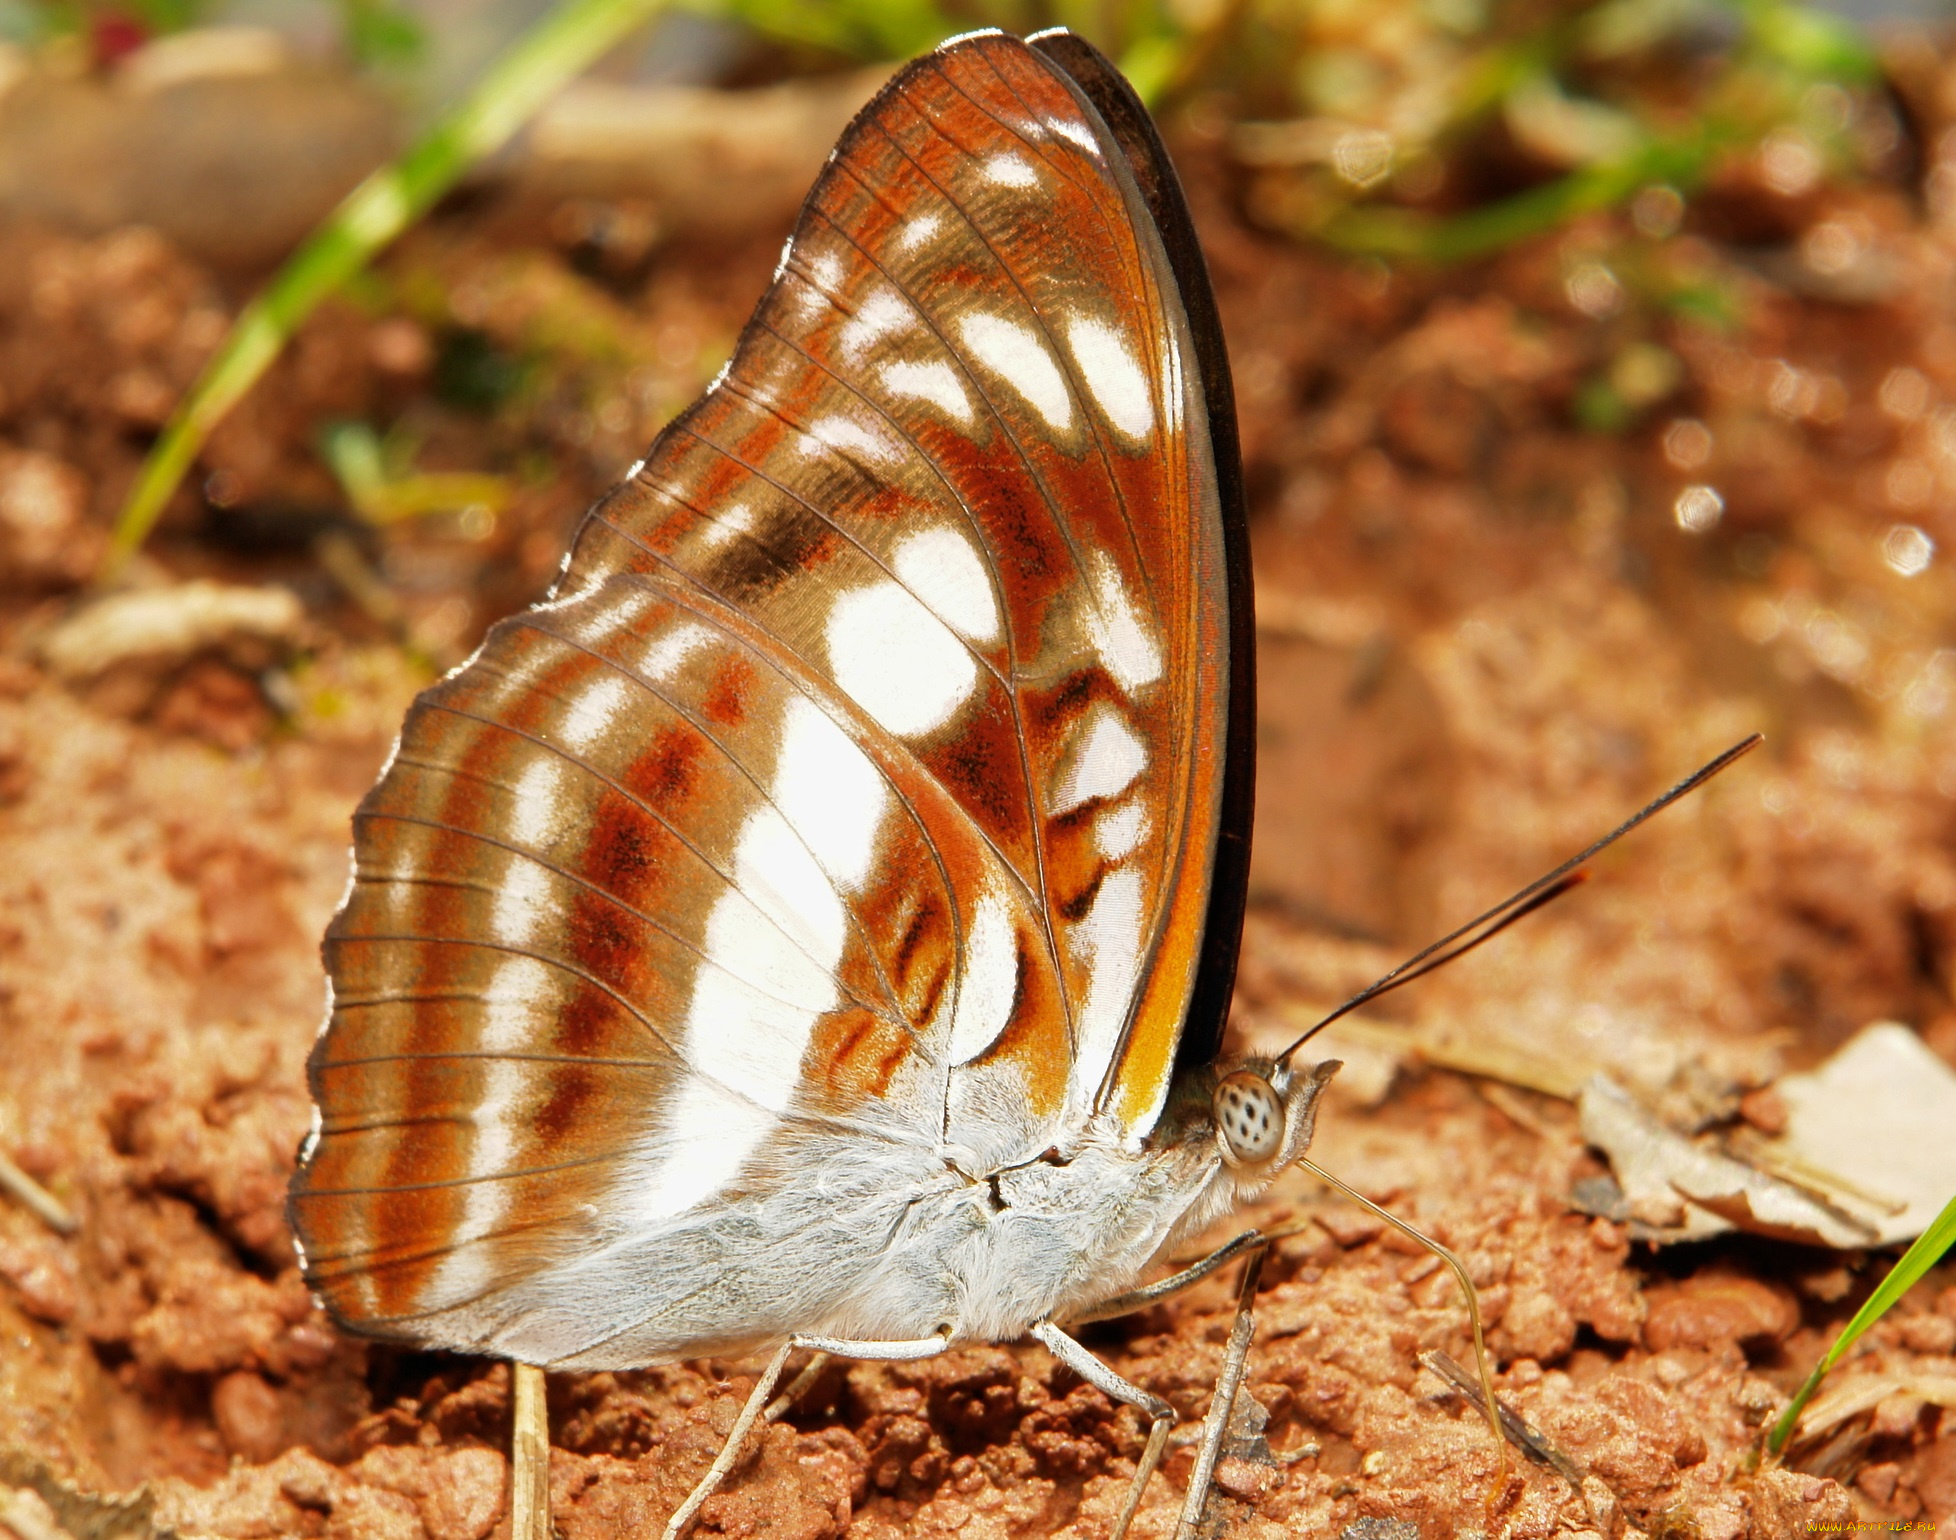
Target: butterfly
(814, 925)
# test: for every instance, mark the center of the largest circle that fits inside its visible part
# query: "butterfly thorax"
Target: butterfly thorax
(1064, 1235)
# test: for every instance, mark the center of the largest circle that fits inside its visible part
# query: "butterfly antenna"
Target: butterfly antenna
(1543, 890)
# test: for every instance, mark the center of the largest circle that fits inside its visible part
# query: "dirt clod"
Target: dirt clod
(1711, 1309)
(248, 1414)
(1786, 1504)
(43, 1275)
(466, 1496)
(44, 539)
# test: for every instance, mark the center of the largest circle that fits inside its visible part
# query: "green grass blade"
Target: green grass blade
(1396, 232)
(1918, 1259)
(515, 86)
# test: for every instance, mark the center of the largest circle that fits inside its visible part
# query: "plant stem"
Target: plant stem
(517, 84)
(1405, 233)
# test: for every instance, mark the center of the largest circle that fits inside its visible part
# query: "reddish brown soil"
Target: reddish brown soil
(1485, 639)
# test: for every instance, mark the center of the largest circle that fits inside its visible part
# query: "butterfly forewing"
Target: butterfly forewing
(855, 779)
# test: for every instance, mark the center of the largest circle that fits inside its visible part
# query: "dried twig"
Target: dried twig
(53, 1212)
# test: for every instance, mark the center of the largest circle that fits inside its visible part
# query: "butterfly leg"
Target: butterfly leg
(1222, 1405)
(1253, 1243)
(1174, 1283)
(1105, 1380)
(759, 1404)
(730, 1451)
(797, 1388)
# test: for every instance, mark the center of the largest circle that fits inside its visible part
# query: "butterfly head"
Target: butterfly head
(1263, 1113)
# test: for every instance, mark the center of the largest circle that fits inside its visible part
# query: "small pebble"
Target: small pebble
(1245, 1480)
(1379, 1529)
(1605, 1512)
(248, 1415)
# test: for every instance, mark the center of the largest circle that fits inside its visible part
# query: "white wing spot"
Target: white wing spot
(1113, 376)
(537, 800)
(919, 231)
(494, 1146)
(883, 313)
(589, 715)
(518, 993)
(826, 268)
(729, 524)
(698, 1147)
(841, 435)
(936, 383)
(1016, 355)
(523, 902)
(618, 613)
(988, 981)
(830, 791)
(941, 567)
(1119, 635)
(1010, 170)
(1120, 831)
(754, 1003)
(1079, 133)
(523, 673)
(823, 272)
(1106, 760)
(398, 900)
(464, 1272)
(669, 652)
(897, 660)
(1108, 940)
(772, 942)
(775, 869)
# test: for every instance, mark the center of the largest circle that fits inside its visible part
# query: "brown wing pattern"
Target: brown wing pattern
(855, 774)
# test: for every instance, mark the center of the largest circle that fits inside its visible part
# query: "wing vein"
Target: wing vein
(738, 387)
(690, 594)
(848, 903)
(652, 812)
(470, 1056)
(549, 866)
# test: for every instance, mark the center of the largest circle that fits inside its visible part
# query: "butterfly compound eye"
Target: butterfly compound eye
(1249, 1117)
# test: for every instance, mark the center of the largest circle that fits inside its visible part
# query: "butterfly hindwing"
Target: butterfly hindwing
(863, 773)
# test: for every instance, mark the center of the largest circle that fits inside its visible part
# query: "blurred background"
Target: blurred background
(1597, 372)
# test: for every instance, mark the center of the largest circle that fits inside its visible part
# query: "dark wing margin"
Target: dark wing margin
(1134, 131)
